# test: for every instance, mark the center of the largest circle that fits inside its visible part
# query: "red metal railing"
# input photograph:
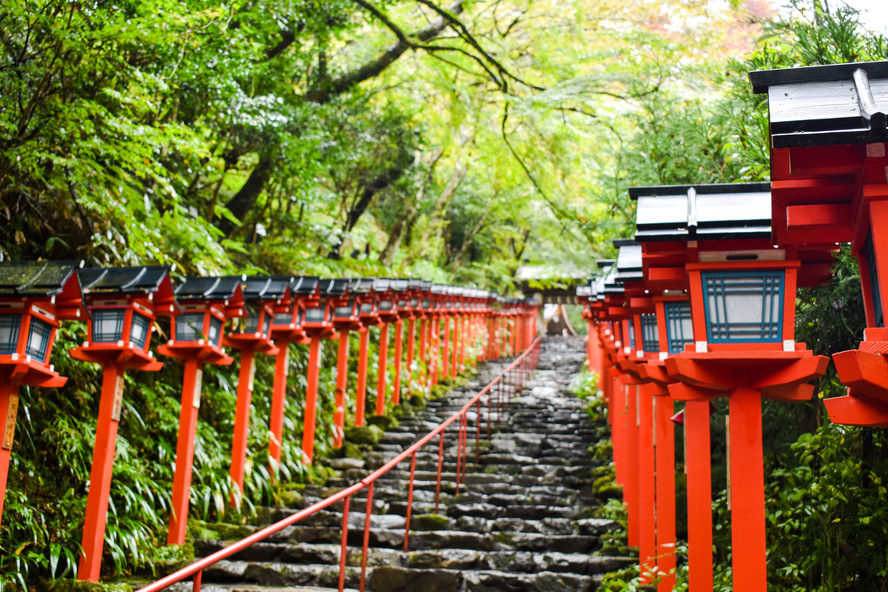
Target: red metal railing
(498, 393)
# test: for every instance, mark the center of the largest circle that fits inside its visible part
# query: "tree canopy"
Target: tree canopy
(450, 141)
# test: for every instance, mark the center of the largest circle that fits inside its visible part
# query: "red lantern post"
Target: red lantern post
(250, 334)
(346, 318)
(742, 294)
(368, 314)
(318, 324)
(829, 156)
(123, 304)
(286, 328)
(34, 297)
(388, 313)
(196, 339)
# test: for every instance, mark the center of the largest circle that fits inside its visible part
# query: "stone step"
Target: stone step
(329, 554)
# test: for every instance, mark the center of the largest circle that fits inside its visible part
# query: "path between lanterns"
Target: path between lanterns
(522, 520)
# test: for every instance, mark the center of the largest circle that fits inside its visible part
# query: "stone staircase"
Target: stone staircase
(522, 520)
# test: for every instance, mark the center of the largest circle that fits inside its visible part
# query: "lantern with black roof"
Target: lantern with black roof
(345, 319)
(742, 293)
(456, 343)
(123, 303)
(626, 302)
(34, 297)
(654, 336)
(196, 333)
(425, 329)
(251, 334)
(829, 157)
(368, 315)
(434, 313)
(286, 328)
(318, 325)
(418, 289)
(403, 297)
(445, 313)
(388, 313)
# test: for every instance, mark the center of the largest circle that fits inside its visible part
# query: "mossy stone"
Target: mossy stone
(428, 522)
(289, 499)
(382, 421)
(351, 450)
(417, 401)
(80, 586)
(369, 434)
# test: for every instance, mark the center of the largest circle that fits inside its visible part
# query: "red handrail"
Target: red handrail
(521, 366)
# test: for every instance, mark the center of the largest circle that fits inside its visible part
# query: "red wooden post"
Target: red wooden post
(381, 370)
(445, 357)
(9, 408)
(747, 491)
(278, 404)
(341, 386)
(698, 460)
(396, 380)
(95, 520)
(665, 461)
(647, 540)
(630, 489)
(246, 375)
(435, 334)
(424, 325)
(191, 385)
(311, 399)
(361, 393)
(454, 351)
(411, 351)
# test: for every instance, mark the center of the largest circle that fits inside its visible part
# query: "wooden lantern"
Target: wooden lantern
(196, 334)
(742, 295)
(123, 303)
(829, 185)
(34, 297)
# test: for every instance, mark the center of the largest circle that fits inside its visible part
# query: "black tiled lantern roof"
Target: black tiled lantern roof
(37, 278)
(400, 285)
(307, 285)
(266, 288)
(703, 212)
(609, 283)
(334, 287)
(360, 285)
(209, 288)
(826, 105)
(382, 285)
(123, 280)
(628, 261)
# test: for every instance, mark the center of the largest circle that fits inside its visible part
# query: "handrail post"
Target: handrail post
(409, 501)
(365, 548)
(459, 440)
(440, 463)
(196, 581)
(343, 555)
(477, 430)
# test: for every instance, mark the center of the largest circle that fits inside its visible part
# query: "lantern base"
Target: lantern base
(206, 354)
(29, 372)
(778, 375)
(125, 358)
(250, 342)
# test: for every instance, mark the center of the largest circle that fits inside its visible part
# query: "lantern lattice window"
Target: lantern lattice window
(744, 306)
